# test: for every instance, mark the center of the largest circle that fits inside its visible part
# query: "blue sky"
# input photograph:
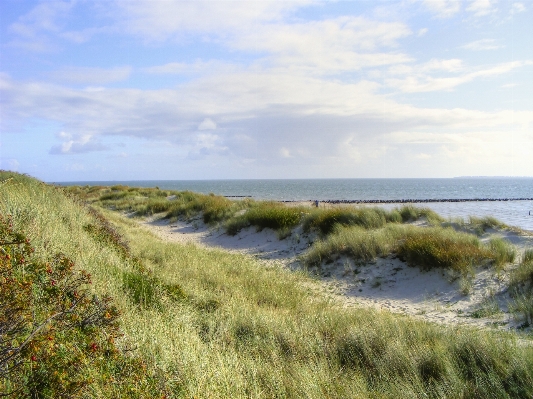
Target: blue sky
(157, 89)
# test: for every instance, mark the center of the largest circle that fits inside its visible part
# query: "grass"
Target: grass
(236, 215)
(355, 242)
(439, 247)
(521, 288)
(503, 252)
(412, 213)
(478, 225)
(212, 324)
(429, 247)
(485, 223)
(487, 308)
(325, 221)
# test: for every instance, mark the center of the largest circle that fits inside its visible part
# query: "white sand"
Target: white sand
(387, 284)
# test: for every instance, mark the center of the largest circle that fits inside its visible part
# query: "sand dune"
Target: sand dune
(386, 283)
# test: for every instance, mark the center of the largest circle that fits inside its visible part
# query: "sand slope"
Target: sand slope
(386, 283)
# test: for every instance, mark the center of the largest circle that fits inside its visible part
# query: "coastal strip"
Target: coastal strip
(409, 201)
(397, 201)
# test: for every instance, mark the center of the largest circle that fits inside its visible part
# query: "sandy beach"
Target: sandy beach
(386, 284)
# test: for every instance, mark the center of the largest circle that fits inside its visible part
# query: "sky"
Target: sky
(160, 89)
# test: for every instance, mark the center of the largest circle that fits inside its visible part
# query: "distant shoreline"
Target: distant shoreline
(401, 201)
(493, 177)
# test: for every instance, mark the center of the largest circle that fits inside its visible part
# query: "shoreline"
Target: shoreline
(517, 218)
(397, 201)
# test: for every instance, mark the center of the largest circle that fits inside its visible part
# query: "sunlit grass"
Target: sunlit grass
(214, 324)
(522, 289)
(427, 248)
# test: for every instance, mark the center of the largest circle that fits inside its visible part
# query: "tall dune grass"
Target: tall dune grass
(429, 247)
(521, 288)
(218, 325)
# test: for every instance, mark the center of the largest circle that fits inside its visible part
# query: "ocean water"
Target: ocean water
(516, 213)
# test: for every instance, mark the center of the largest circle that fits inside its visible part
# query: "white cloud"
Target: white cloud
(207, 124)
(92, 76)
(187, 68)
(76, 145)
(32, 31)
(207, 144)
(321, 46)
(449, 65)
(318, 47)
(443, 8)
(481, 7)
(298, 92)
(44, 17)
(418, 81)
(517, 8)
(284, 152)
(483, 44)
(164, 19)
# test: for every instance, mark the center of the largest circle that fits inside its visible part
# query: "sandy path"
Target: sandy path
(387, 283)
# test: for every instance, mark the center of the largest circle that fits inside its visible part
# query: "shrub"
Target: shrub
(50, 326)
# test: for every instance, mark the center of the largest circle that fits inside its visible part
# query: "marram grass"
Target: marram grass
(215, 325)
(428, 247)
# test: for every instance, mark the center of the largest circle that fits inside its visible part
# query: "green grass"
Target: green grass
(521, 288)
(355, 242)
(327, 220)
(438, 247)
(213, 324)
(502, 250)
(478, 225)
(411, 213)
(236, 215)
(427, 248)
(485, 223)
(487, 308)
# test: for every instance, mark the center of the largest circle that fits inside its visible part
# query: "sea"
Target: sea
(514, 212)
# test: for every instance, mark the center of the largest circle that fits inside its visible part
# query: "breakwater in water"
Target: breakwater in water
(412, 201)
(508, 199)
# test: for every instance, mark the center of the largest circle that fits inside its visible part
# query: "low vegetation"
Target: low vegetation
(426, 248)
(325, 221)
(522, 289)
(207, 323)
(236, 215)
(58, 338)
